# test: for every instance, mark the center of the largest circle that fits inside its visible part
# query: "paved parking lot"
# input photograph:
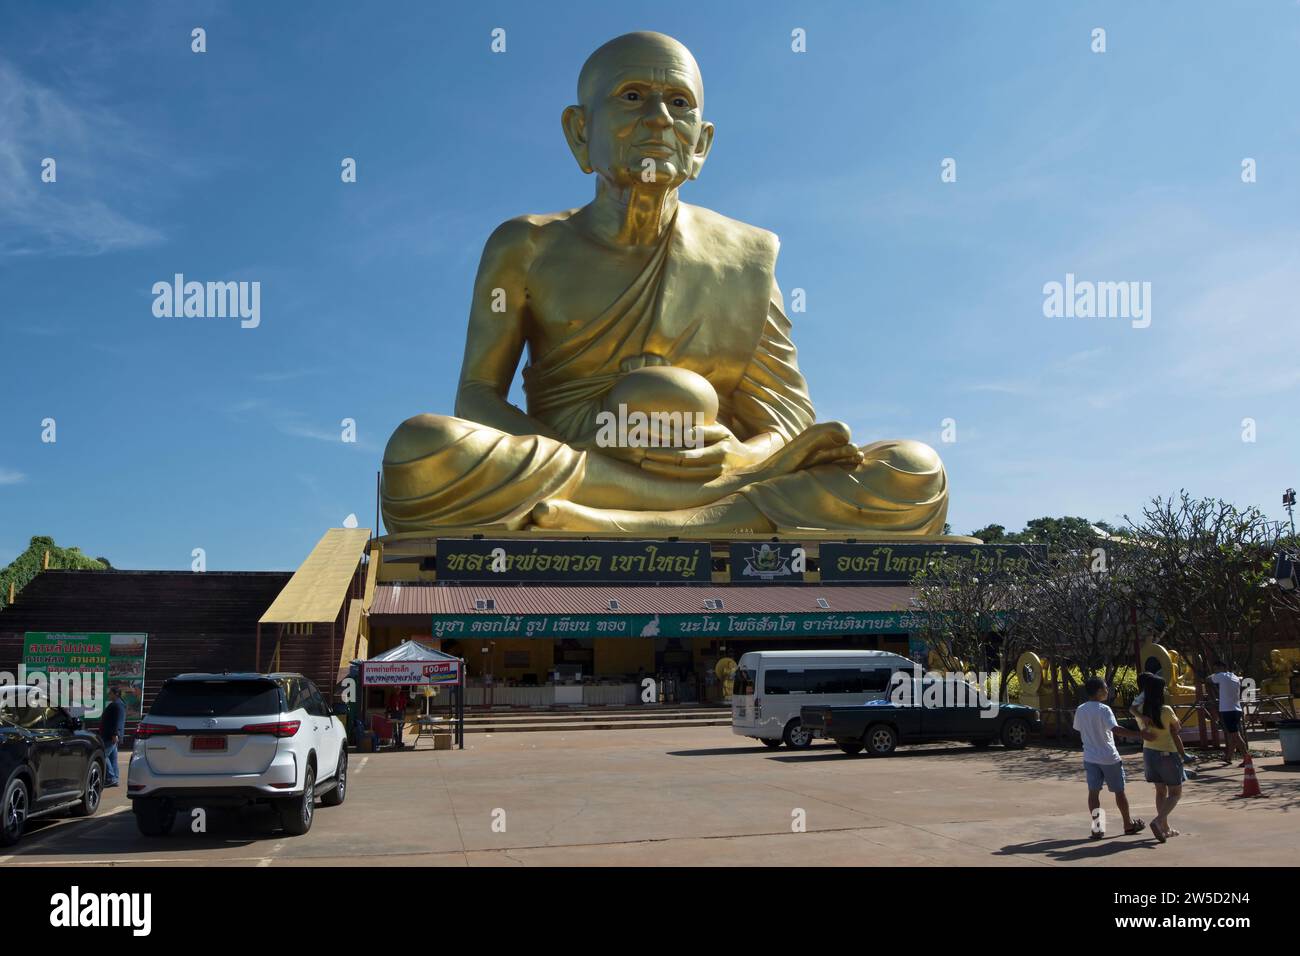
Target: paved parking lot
(701, 796)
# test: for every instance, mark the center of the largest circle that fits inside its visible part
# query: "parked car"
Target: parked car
(214, 740)
(48, 763)
(768, 688)
(880, 726)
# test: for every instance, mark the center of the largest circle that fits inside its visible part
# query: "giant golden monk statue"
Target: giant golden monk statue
(640, 300)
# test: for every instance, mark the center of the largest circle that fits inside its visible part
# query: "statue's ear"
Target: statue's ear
(574, 121)
(702, 147)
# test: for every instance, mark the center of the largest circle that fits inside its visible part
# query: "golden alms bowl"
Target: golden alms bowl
(663, 388)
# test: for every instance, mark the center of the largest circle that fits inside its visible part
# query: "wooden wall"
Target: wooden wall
(196, 621)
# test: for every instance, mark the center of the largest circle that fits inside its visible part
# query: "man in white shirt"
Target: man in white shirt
(1229, 687)
(1096, 725)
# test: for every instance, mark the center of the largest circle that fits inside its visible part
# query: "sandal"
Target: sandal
(1155, 828)
(1094, 835)
(1171, 832)
(1137, 826)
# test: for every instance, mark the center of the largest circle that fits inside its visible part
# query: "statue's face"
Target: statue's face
(643, 110)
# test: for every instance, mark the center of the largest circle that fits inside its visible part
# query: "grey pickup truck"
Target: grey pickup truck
(924, 715)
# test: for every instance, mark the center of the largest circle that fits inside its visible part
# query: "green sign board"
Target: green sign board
(97, 661)
(718, 624)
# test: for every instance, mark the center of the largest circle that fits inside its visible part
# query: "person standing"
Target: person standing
(397, 705)
(1162, 754)
(1096, 725)
(112, 728)
(1229, 687)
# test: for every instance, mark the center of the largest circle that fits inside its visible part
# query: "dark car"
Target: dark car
(880, 726)
(48, 764)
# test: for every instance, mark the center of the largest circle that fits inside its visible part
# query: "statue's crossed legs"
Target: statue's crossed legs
(449, 472)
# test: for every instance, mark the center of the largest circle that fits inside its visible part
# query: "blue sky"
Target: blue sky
(924, 298)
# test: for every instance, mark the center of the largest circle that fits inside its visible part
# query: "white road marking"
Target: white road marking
(275, 851)
(80, 830)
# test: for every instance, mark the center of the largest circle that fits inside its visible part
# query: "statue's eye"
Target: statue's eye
(631, 96)
(680, 102)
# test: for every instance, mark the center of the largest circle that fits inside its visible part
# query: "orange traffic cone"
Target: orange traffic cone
(1250, 785)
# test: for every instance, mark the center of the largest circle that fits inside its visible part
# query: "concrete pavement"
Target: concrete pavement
(702, 796)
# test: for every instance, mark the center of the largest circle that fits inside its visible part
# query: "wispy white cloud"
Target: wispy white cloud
(9, 476)
(1087, 355)
(90, 145)
(295, 424)
(295, 427)
(286, 375)
(1001, 388)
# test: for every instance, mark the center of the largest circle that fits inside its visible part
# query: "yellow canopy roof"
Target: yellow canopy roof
(317, 589)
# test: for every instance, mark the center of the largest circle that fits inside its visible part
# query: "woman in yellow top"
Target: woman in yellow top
(1162, 754)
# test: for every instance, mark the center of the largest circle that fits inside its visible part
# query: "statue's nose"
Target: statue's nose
(657, 114)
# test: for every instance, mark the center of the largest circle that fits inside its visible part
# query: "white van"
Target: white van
(769, 687)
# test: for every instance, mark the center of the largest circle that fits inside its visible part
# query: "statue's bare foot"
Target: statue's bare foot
(557, 514)
(731, 514)
(822, 444)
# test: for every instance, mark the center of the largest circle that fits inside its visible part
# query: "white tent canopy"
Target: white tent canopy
(411, 651)
(411, 664)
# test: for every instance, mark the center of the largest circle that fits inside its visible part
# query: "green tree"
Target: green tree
(1205, 578)
(969, 620)
(1059, 534)
(29, 564)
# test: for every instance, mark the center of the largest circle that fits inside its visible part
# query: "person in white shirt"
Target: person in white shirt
(1229, 687)
(1096, 725)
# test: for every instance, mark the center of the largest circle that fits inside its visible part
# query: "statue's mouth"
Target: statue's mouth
(657, 148)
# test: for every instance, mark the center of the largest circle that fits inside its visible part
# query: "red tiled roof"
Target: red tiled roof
(420, 599)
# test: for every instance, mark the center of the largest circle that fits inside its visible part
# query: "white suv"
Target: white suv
(229, 739)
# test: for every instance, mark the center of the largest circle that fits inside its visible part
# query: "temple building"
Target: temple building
(539, 620)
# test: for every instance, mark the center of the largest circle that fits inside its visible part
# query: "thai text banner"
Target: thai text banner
(900, 563)
(574, 562)
(454, 626)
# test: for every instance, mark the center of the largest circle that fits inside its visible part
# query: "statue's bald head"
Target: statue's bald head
(641, 49)
(640, 108)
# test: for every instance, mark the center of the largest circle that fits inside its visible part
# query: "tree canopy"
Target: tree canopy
(28, 564)
(1059, 534)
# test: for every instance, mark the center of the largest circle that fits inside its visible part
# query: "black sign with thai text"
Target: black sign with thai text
(506, 561)
(899, 563)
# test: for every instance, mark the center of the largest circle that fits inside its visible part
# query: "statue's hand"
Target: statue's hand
(718, 451)
(629, 453)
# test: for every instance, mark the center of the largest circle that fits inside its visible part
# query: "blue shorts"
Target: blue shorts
(1164, 767)
(1231, 720)
(1111, 773)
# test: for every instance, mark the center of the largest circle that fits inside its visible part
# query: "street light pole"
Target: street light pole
(1288, 502)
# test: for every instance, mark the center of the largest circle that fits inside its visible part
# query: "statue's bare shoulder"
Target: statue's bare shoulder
(516, 243)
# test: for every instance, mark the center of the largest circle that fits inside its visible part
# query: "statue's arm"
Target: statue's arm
(771, 404)
(494, 342)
